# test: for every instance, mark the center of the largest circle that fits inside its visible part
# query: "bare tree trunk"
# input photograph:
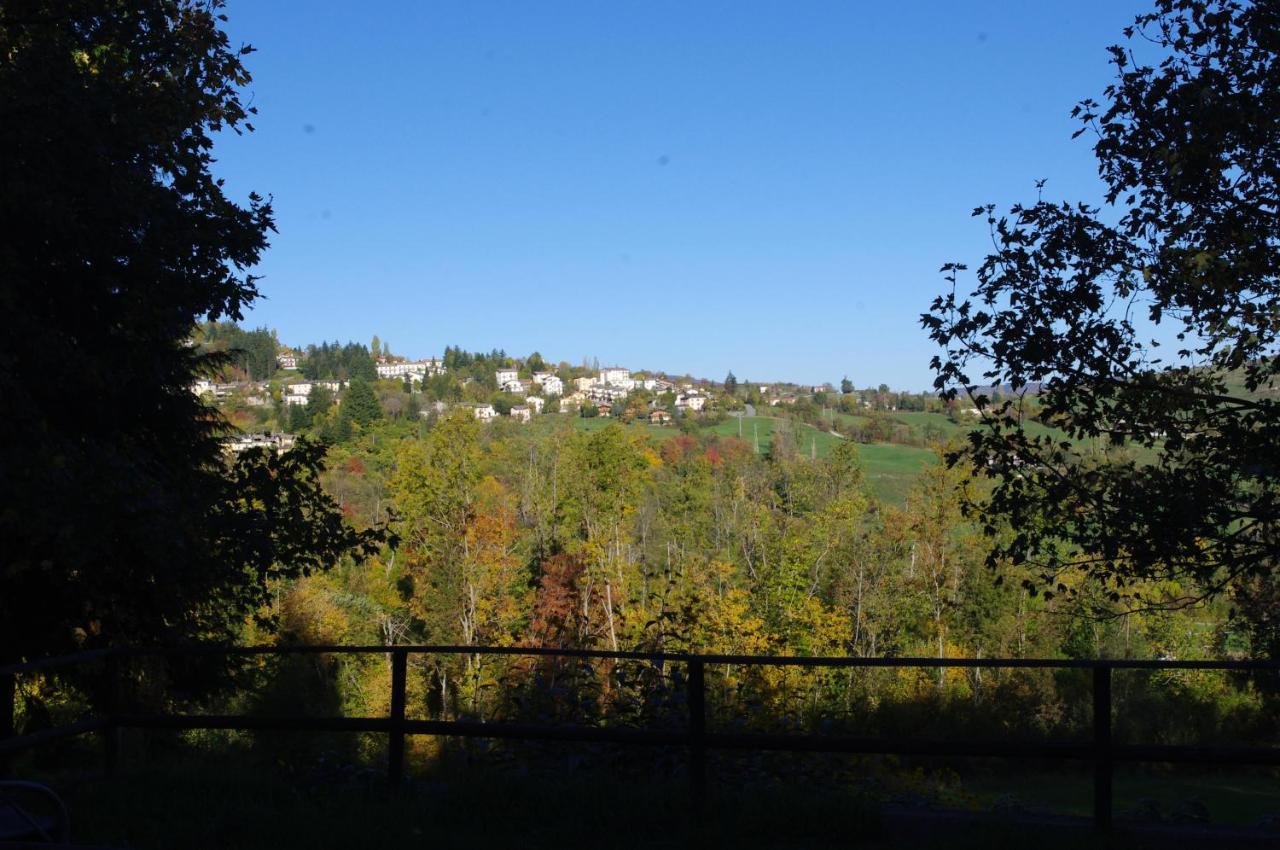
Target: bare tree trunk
(608, 609)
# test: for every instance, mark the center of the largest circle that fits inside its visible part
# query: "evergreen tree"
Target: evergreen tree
(360, 404)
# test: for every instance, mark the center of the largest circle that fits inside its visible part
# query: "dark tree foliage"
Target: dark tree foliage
(1150, 325)
(360, 404)
(334, 362)
(730, 383)
(121, 517)
(253, 353)
(477, 366)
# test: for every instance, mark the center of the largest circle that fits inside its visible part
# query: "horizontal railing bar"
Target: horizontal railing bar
(716, 658)
(714, 740)
(1196, 754)
(529, 731)
(56, 661)
(44, 736)
(897, 746)
(245, 723)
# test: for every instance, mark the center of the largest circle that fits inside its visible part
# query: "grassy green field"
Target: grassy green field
(890, 468)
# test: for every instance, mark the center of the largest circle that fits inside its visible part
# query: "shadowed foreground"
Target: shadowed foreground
(235, 801)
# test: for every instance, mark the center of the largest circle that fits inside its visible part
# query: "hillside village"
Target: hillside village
(272, 391)
(601, 394)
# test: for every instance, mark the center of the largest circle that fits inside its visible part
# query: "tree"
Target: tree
(115, 241)
(360, 404)
(251, 352)
(319, 402)
(1148, 326)
(846, 385)
(730, 384)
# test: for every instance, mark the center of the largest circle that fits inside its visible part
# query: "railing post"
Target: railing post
(8, 714)
(110, 712)
(1102, 761)
(395, 744)
(697, 699)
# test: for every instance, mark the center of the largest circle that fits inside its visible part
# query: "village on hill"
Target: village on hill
(265, 383)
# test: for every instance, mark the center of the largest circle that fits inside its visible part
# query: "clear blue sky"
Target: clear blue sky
(767, 187)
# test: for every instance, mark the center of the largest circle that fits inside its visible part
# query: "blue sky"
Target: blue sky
(767, 187)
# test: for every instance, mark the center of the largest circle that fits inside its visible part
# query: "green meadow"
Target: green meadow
(890, 468)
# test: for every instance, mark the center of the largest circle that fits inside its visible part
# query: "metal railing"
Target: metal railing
(1101, 750)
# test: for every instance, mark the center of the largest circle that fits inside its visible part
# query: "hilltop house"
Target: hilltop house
(485, 412)
(516, 387)
(287, 360)
(535, 402)
(414, 370)
(616, 375)
(521, 413)
(583, 384)
(607, 393)
(659, 417)
(571, 402)
(691, 401)
(503, 376)
(552, 385)
(402, 369)
(279, 443)
(296, 393)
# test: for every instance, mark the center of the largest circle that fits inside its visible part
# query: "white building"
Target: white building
(505, 375)
(583, 384)
(607, 393)
(485, 412)
(691, 401)
(288, 360)
(201, 387)
(552, 385)
(401, 370)
(521, 413)
(279, 443)
(296, 394)
(616, 375)
(535, 402)
(414, 370)
(571, 402)
(516, 387)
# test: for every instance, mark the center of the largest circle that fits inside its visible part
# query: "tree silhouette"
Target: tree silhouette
(1149, 327)
(122, 520)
